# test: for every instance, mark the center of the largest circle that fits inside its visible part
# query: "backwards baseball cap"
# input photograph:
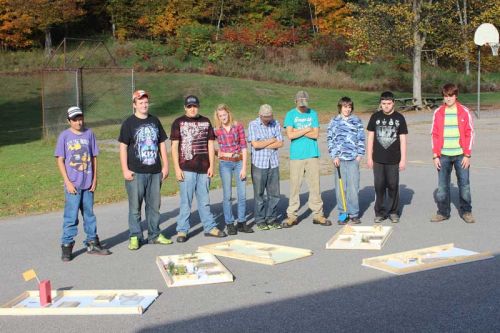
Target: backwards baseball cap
(301, 98)
(191, 100)
(74, 111)
(265, 110)
(138, 94)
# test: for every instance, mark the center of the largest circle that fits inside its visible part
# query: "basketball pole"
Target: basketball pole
(478, 81)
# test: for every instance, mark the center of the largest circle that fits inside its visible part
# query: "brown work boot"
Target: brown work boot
(214, 232)
(290, 221)
(320, 219)
(468, 218)
(182, 237)
(438, 218)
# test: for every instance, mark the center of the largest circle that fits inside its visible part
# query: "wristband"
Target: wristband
(435, 157)
(468, 156)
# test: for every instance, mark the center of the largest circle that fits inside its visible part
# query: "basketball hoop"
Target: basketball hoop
(487, 34)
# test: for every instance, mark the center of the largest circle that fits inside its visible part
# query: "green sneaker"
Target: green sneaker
(262, 226)
(274, 226)
(162, 240)
(133, 243)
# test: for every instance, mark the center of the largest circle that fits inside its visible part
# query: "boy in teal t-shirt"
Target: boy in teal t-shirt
(302, 128)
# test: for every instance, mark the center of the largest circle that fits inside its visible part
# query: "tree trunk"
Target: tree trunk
(48, 42)
(418, 43)
(312, 18)
(462, 15)
(466, 48)
(219, 20)
(417, 75)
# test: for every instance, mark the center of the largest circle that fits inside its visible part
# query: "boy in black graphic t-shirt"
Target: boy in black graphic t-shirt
(193, 155)
(386, 155)
(143, 158)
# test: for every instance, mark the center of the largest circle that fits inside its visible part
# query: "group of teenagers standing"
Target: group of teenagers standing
(144, 164)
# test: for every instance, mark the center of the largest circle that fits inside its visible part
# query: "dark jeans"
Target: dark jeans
(443, 192)
(144, 187)
(386, 178)
(266, 180)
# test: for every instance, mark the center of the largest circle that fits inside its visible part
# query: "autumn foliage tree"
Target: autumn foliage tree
(15, 27)
(20, 19)
(329, 16)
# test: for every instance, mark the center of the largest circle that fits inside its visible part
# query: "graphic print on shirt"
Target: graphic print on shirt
(80, 157)
(194, 139)
(301, 122)
(387, 132)
(146, 144)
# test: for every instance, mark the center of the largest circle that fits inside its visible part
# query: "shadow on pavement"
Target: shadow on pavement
(462, 298)
(454, 198)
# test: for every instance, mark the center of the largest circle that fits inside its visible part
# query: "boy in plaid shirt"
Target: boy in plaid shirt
(264, 135)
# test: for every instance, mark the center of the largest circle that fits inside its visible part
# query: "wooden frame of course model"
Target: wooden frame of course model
(262, 253)
(360, 238)
(192, 269)
(82, 302)
(424, 259)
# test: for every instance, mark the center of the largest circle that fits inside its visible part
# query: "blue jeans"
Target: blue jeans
(349, 171)
(195, 183)
(144, 187)
(228, 170)
(443, 192)
(266, 180)
(82, 201)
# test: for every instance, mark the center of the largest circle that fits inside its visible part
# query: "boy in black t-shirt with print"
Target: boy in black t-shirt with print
(193, 155)
(143, 158)
(386, 155)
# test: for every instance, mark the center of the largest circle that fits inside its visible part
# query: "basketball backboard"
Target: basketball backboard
(486, 33)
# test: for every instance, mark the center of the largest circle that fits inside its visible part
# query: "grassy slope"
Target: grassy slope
(30, 182)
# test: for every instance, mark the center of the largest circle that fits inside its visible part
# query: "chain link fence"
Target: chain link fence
(59, 91)
(104, 95)
(20, 107)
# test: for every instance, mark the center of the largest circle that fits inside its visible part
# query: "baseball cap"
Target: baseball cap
(191, 100)
(301, 98)
(74, 111)
(265, 110)
(139, 94)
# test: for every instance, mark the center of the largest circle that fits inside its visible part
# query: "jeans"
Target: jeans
(309, 169)
(349, 171)
(195, 183)
(443, 192)
(82, 201)
(228, 170)
(144, 187)
(386, 178)
(266, 180)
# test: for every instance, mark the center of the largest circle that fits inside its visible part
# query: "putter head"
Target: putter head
(343, 217)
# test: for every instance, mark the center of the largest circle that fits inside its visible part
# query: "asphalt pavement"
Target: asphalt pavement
(329, 291)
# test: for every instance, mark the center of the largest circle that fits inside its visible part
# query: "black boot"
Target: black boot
(243, 227)
(94, 247)
(67, 252)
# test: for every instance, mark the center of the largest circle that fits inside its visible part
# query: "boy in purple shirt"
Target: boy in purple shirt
(76, 153)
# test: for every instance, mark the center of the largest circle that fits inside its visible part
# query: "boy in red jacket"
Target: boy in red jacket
(452, 137)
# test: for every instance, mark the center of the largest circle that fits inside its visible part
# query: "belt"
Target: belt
(231, 159)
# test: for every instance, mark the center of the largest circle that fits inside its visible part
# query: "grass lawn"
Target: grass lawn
(29, 179)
